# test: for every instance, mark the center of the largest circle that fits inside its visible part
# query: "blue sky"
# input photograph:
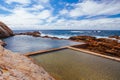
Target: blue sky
(61, 14)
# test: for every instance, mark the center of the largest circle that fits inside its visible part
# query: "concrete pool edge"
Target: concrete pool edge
(94, 53)
(73, 48)
(44, 51)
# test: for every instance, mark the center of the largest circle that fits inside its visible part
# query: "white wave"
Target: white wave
(101, 36)
(59, 36)
(77, 31)
(98, 31)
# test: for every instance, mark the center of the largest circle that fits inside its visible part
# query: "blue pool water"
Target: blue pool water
(23, 43)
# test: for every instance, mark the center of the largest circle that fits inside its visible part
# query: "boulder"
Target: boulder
(45, 36)
(5, 31)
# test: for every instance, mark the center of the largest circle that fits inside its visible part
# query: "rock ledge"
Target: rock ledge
(19, 67)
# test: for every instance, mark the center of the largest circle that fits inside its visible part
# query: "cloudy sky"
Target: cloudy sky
(61, 14)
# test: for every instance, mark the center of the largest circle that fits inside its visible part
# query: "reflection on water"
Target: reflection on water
(23, 43)
(73, 65)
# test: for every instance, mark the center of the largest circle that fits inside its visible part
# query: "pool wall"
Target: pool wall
(73, 48)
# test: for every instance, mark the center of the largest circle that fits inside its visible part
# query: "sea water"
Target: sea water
(69, 33)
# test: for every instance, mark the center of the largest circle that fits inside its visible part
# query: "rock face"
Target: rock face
(34, 34)
(19, 67)
(51, 37)
(82, 38)
(2, 43)
(115, 36)
(101, 45)
(5, 31)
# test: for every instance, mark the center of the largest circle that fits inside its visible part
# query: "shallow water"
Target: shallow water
(23, 43)
(68, 64)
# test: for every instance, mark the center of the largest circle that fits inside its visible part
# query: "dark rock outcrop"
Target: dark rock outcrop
(115, 36)
(51, 37)
(82, 38)
(34, 34)
(37, 34)
(2, 43)
(5, 31)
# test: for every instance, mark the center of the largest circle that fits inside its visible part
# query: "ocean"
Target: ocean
(69, 33)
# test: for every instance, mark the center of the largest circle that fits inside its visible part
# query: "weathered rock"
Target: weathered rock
(51, 37)
(34, 34)
(5, 31)
(115, 36)
(54, 38)
(83, 38)
(45, 36)
(15, 66)
(2, 43)
(37, 34)
(100, 45)
(107, 40)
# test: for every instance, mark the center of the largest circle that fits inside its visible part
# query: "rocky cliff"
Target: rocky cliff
(5, 31)
(15, 66)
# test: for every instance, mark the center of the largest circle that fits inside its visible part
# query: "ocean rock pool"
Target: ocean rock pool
(67, 64)
(24, 43)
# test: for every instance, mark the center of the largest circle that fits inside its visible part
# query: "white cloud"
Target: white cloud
(103, 24)
(92, 8)
(22, 17)
(4, 8)
(44, 1)
(44, 14)
(63, 12)
(18, 1)
(51, 19)
(38, 7)
(40, 15)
